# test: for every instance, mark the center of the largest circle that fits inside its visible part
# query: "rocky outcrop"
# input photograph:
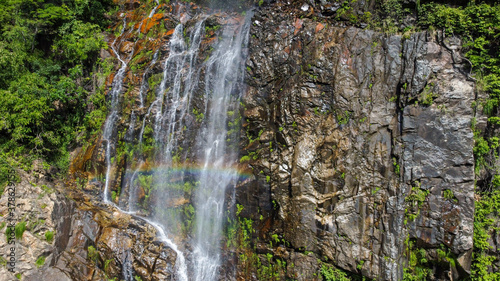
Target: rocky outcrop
(362, 140)
(63, 242)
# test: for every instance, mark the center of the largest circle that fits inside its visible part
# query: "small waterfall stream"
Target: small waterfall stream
(184, 198)
(109, 125)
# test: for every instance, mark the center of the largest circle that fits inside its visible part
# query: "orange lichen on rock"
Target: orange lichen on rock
(148, 23)
(298, 25)
(233, 21)
(208, 41)
(109, 81)
(170, 32)
(319, 27)
(169, 7)
(79, 164)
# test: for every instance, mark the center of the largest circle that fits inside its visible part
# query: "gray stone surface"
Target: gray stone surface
(352, 120)
(116, 237)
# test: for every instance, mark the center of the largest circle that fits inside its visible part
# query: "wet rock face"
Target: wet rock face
(355, 142)
(348, 125)
(107, 243)
(90, 243)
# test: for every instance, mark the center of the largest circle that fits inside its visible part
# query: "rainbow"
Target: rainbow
(188, 170)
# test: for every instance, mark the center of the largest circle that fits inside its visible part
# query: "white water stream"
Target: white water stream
(169, 115)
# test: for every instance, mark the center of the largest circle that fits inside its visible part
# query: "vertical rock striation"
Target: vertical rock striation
(349, 125)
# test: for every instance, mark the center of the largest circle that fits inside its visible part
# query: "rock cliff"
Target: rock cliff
(365, 141)
(78, 238)
(355, 153)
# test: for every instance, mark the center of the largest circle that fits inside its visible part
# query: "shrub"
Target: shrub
(49, 236)
(40, 261)
(19, 229)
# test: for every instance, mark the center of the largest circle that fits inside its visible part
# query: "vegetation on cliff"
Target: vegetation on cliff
(48, 60)
(478, 24)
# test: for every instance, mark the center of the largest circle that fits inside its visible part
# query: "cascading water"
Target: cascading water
(144, 84)
(154, 9)
(171, 106)
(109, 125)
(184, 199)
(109, 128)
(222, 81)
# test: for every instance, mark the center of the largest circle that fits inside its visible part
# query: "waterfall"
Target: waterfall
(109, 125)
(222, 82)
(180, 262)
(184, 199)
(153, 11)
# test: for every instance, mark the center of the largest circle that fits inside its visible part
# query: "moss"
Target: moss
(245, 158)
(330, 273)
(49, 236)
(40, 262)
(92, 253)
(19, 229)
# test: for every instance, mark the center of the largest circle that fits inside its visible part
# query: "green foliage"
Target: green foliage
(346, 11)
(252, 155)
(188, 217)
(485, 222)
(343, 118)
(240, 233)
(478, 25)
(92, 253)
(330, 273)
(78, 41)
(33, 225)
(8, 232)
(199, 115)
(106, 264)
(415, 200)
(448, 194)
(7, 172)
(47, 53)
(418, 268)
(396, 165)
(481, 150)
(3, 261)
(360, 264)
(388, 17)
(40, 262)
(146, 181)
(211, 28)
(49, 236)
(272, 269)
(19, 229)
(446, 256)
(427, 96)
